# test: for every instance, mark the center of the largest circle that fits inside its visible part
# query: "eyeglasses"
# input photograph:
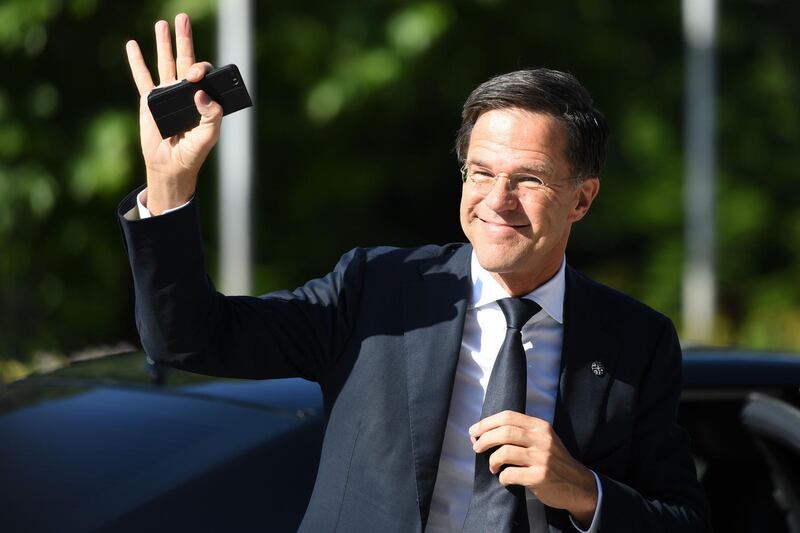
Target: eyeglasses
(523, 184)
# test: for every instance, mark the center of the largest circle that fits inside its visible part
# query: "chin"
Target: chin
(499, 262)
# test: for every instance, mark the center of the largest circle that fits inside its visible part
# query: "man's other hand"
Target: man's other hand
(529, 453)
(173, 164)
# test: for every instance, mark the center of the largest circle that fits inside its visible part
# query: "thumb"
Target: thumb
(210, 111)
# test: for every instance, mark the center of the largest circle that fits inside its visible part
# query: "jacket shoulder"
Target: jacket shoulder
(407, 264)
(629, 310)
(412, 254)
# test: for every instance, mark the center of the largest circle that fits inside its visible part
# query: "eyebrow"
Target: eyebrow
(533, 168)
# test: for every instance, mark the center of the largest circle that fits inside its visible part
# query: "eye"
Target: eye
(481, 176)
(530, 181)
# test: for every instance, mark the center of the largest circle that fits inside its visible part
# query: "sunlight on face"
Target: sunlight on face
(519, 237)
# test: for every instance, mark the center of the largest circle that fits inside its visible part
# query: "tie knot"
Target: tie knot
(518, 311)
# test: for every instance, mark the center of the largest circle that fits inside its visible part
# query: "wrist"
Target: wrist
(585, 501)
(161, 196)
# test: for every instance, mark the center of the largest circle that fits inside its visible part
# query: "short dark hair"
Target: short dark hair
(551, 92)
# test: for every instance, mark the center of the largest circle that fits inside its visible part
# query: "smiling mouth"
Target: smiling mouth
(505, 224)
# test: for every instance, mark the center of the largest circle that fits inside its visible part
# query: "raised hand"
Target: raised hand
(172, 164)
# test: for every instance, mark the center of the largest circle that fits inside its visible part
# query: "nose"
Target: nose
(502, 197)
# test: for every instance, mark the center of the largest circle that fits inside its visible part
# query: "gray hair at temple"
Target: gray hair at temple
(551, 92)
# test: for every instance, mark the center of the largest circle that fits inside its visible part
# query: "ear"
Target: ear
(584, 195)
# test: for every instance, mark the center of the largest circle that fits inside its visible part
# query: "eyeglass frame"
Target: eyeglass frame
(514, 181)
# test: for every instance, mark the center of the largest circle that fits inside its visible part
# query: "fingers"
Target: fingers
(169, 69)
(184, 45)
(166, 61)
(509, 455)
(573, 489)
(141, 74)
(504, 418)
(514, 475)
(198, 70)
(210, 111)
(508, 435)
(524, 450)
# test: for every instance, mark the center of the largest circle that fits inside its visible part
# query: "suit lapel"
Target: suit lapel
(588, 356)
(434, 307)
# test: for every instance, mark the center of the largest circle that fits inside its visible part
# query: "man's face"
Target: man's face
(516, 235)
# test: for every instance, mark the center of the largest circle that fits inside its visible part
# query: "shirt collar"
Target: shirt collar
(486, 290)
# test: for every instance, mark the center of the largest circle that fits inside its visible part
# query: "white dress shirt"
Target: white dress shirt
(484, 331)
(145, 213)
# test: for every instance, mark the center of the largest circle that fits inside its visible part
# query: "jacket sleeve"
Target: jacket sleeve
(661, 492)
(184, 322)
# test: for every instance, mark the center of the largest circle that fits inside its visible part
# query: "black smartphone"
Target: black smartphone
(173, 107)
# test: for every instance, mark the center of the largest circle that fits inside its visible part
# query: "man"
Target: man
(434, 422)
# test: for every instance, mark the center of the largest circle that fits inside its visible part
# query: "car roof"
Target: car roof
(67, 445)
(725, 367)
(100, 431)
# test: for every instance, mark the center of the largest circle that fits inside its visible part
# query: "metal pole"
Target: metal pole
(234, 45)
(699, 280)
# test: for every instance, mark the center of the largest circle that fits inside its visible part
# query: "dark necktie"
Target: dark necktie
(495, 508)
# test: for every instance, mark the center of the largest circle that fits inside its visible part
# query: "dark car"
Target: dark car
(717, 386)
(98, 446)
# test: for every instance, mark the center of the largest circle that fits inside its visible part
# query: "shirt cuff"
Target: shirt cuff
(595, 522)
(145, 213)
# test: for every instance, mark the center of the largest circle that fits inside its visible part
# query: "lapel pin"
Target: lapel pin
(598, 369)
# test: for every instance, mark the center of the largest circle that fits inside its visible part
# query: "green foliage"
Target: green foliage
(69, 151)
(357, 104)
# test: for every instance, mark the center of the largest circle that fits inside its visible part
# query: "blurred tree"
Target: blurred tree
(357, 106)
(68, 151)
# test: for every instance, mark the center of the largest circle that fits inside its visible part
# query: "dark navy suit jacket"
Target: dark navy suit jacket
(381, 334)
